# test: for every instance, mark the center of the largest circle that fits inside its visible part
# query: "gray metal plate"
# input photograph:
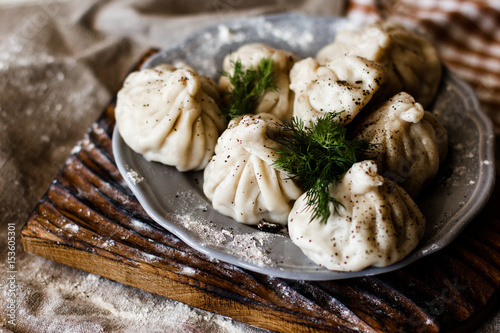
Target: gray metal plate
(176, 201)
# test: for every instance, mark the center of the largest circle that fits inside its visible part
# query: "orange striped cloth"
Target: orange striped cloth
(466, 32)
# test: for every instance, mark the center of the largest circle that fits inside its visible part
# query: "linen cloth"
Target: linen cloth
(61, 61)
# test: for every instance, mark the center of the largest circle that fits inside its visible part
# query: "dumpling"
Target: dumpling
(411, 61)
(410, 143)
(377, 224)
(170, 115)
(240, 179)
(278, 102)
(343, 85)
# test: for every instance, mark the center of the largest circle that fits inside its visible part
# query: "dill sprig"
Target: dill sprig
(248, 87)
(318, 155)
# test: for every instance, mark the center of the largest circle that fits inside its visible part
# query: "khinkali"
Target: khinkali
(410, 143)
(343, 85)
(411, 61)
(377, 223)
(240, 179)
(170, 115)
(278, 102)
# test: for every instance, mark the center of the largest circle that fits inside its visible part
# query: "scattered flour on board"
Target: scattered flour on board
(189, 271)
(108, 243)
(71, 227)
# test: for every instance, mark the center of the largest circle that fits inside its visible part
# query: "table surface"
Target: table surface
(61, 62)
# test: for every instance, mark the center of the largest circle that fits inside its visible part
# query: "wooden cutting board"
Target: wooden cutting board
(90, 220)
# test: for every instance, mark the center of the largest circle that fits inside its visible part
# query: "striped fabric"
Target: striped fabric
(466, 32)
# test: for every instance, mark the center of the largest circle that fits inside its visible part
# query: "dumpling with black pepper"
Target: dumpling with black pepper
(409, 142)
(277, 102)
(343, 85)
(170, 115)
(411, 61)
(240, 179)
(376, 224)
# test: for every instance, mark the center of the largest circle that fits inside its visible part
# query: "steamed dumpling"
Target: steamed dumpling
(378, 223)
(240, 179)
(342, 85)
(411, 61)
(278, 102)
(170, 115)
(410, 142)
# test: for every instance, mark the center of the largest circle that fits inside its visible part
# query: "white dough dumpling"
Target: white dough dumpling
(411, 61)
(278, 102)
(377, 224)
(410, 143)
(343, 85)
(170, 115)
(240, 179)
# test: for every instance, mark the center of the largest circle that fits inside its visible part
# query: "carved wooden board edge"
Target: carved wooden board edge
(90, 220)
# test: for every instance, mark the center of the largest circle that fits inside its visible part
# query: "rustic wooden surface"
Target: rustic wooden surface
(90, 220)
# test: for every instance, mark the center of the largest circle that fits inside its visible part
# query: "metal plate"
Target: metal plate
(176, 201)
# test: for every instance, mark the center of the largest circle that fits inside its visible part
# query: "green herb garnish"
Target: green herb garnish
(248, 87)
(318, 156)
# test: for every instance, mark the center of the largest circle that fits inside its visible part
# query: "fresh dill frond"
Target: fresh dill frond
(247, 87)
(318, 155)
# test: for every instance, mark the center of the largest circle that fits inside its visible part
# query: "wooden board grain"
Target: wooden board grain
(90, 220)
